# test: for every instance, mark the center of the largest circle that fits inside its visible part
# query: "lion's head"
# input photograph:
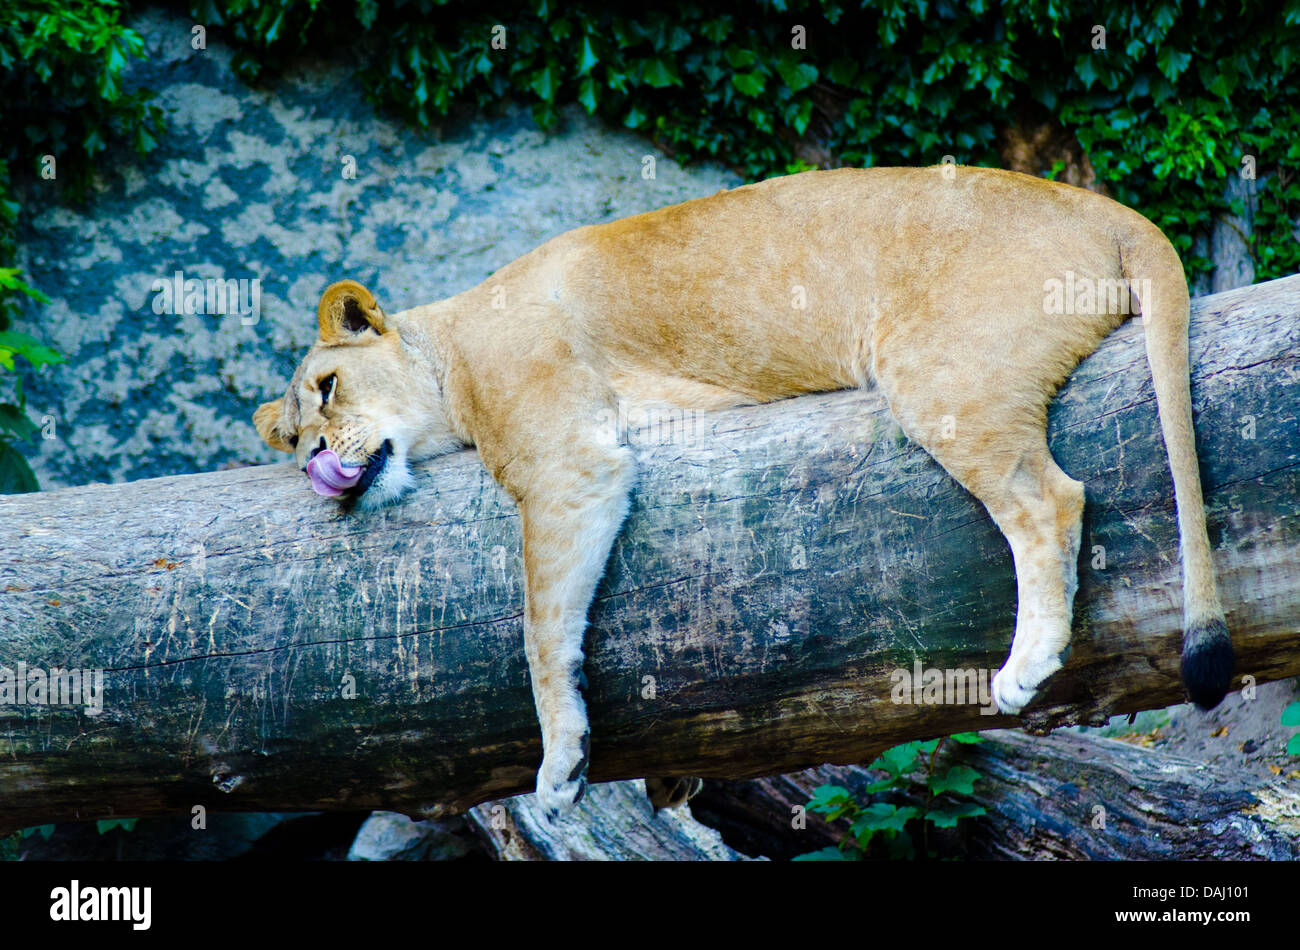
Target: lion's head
(364, 395)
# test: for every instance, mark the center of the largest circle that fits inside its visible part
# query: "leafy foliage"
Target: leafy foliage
(11, 845)
(108, 824)
(61, 98)
(15, 426)
(1167, 108)
(61, 66)
(898, 826)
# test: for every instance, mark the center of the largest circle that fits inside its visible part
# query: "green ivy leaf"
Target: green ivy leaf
(881, 816)
(627, 33)
(438, 60)
(748, 84)
(9, 280)
(587, 57)
(589, 94)
(1291, 715)
(1172, 63)
(797, 76)
(828, 795)
(544, 114)
(16, 476)
(826, 854)
(561, 29)
(14, 421)
(739, 58)
(884, 784)
(960, 779)
(546, 83)
(802, 116)
(832, 802)
(946, 815)
(843, 71)
(715, 31)
(1086, 69)
(660, 73)
(108, 824)
(899, 759)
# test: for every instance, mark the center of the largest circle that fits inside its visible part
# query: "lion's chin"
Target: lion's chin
(386, 478)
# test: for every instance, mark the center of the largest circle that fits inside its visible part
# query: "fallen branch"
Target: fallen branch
(1078, 796)
(262, 650)
(1071, 796)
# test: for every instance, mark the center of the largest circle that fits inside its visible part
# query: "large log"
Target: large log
(263, 650)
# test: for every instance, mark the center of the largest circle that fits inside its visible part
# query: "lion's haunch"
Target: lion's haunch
(329, 476)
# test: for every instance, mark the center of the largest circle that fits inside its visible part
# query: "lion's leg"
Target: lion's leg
(570, 517)
(1040, 511)
(996, 448)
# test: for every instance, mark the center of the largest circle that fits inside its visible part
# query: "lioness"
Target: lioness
(929, 283)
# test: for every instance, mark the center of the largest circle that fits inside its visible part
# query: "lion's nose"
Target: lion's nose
(321, 447)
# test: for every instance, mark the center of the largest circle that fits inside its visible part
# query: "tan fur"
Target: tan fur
(928, 283)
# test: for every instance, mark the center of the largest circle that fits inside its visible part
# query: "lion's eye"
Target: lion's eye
(293, 441)
(326, 387)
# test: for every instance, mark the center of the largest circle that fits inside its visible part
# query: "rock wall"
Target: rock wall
(295, 185)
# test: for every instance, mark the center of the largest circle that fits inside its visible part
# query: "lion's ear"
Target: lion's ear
(267, 420)
(347, 310)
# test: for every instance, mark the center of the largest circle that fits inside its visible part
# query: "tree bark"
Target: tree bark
(261, 649)
(614, 822)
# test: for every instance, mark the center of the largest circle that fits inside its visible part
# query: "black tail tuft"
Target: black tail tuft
(1208, 662)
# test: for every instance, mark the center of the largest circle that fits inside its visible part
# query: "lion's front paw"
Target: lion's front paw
(1017, 683)
(562, 779)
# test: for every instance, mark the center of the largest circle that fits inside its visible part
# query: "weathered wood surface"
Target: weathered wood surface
(776, 568)
(1078, 796)
(614, 822)
(1071, 796)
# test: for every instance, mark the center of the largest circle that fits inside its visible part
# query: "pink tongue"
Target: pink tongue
(329, 476)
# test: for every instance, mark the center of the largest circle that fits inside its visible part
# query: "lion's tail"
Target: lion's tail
(1155, 275)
